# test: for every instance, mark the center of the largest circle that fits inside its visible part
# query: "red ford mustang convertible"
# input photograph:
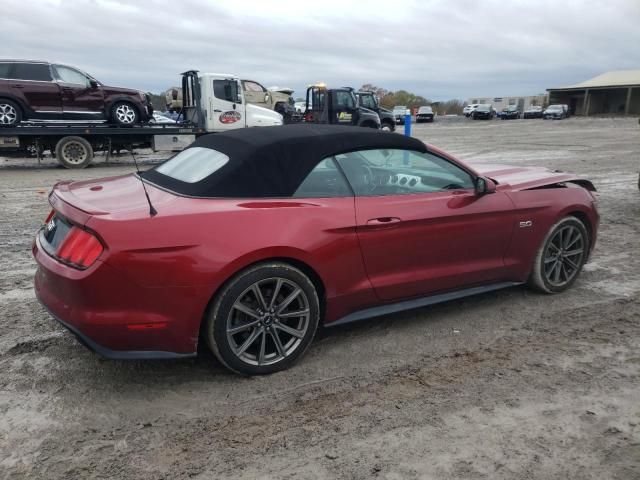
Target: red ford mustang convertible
(248, 240)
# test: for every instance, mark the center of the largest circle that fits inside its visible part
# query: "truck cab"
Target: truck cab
(216, 103)
(337, 106)
(370, 101)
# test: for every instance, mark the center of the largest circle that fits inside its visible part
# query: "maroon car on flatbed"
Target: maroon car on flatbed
(42, 91)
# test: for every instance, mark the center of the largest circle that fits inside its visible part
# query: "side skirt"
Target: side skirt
(419, 302)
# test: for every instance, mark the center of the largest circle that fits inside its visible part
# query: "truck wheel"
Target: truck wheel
(10, 113)
(124, 113)
(74, 152)
(387, 127)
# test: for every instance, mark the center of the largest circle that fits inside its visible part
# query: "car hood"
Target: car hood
(126, 91)
(525, 178)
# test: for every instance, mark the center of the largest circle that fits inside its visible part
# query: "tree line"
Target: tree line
(389, 99)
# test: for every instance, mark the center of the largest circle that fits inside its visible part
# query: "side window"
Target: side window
(343, 99)
(325, 180)
(70, 75)
(32, 71)
(401, 172)
(226, 90)
(4, 70)
(253, 86)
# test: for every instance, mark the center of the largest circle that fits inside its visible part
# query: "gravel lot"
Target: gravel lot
(507, 385)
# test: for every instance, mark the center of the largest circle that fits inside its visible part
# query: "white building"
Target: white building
(499, 103)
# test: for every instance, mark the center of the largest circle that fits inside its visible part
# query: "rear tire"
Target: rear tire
(74, 152)
(10, 113)
(260, 305)
(561, 256)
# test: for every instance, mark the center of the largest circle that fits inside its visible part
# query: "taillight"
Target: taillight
(80, 248)
(308, 117)
(49, 217)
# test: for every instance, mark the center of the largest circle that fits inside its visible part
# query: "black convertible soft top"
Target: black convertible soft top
(273, 161)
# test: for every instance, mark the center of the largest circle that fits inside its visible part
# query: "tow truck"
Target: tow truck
(212, 103)
(368, 100)
(337, 106)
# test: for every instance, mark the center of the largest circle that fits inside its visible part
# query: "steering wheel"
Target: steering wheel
(366, 176)
(452, 186)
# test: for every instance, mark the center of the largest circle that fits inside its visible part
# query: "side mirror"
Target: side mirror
(266, 98)
(93, 83)
(484, 185)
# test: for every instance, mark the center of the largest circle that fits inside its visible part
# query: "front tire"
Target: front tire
(264, 319)
(124, 113)
(561, 256)
(10, 113)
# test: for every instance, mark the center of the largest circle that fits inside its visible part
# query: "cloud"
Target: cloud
(437, 48)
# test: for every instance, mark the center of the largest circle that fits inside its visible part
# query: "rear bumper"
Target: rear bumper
(114, 316)
(116, 354)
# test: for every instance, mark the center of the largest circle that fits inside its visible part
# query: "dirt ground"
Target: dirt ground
(507, 385)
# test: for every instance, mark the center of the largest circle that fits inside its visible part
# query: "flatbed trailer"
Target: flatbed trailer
(74, 144)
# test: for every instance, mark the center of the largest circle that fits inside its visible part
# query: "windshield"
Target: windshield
(367, 101)
(425, 110)
(483, 108)
(554, 107)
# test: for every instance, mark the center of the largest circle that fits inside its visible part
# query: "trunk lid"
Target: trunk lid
(117, 197)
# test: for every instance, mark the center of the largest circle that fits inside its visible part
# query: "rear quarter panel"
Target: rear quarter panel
(201, 243)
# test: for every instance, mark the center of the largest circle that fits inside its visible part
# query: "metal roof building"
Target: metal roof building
(613, 93)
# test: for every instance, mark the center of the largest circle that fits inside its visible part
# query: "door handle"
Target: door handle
(18, 86)
(383, 221)
(217, 111)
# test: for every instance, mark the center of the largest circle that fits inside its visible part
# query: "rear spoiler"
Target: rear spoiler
(71, 207)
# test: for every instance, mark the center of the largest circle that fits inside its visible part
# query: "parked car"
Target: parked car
(509, 113)
(161, 119)
(300, 106)
(399, 113)
(42, 91)
(555, 112)
(425, 114)
(368, 100)
(533, 111)
(468, 110)
(373, 224)
(483, 112)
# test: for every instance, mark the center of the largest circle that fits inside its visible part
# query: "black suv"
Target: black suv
(42, 91)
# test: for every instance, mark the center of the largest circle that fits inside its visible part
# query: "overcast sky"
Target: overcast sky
(440, 49)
